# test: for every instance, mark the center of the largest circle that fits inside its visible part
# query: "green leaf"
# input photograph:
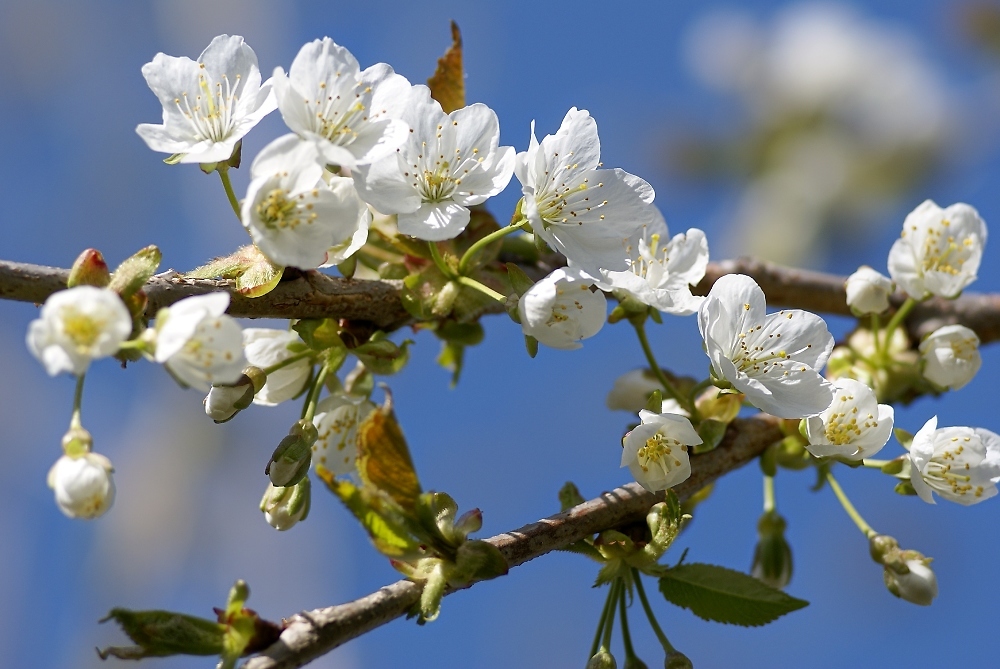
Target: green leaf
(164, 633)
(903, 437)
(319, 334)
(383, 357)
(519, 281)
(725, 596)
(477, 560)
(654, 402)
(448, 82)
(253, 273)
(531, 344)
(569, 496)
(451, 358)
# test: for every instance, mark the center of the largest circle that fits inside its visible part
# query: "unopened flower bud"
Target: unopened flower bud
(225, 400)
(83, 485)
(89, 269)
(631, 390)
(290, 460)
(951, 356)
(677, 660)
(602, 660)
(284, 507)
(633, 662)
(772, 558)
(445, 299)
(917, 586)
(868, 291)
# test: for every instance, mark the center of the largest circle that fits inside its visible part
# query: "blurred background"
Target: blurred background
(800, 132)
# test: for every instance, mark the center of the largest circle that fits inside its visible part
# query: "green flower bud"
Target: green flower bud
(291, 459)
(602, 660)
(89, 269)
(772, 558)
(284, 507)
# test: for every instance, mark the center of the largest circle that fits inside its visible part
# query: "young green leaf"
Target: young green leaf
(725, 596)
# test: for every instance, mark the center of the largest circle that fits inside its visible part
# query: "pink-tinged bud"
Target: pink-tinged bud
(89, 269)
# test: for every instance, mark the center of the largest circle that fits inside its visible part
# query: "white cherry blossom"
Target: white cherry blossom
(266, 347)
(773, 359)
(208, 104)
(853, 427)
(939, 250)
(76, 326)
(337, 419)
(352, 115)
(961, 464)
(951, 356)
(83, 485)
(295, 211)
(448, 163)
(868, 291)
(656, 451)
(560, 310)
(199, 344)
(661, 269)
(587, 214)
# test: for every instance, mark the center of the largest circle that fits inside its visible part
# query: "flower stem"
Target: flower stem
(602, 621)
(896, 320)
(697, 390)
(626, 636)
(74, 421)
(439, 261)
(609, 624)
(875, 464)
(637, 579)
(769, 505)
(223, 171)
(313, 398)
(876, 325)
(485, 290)
(668, 387)
(865, 528)
(287, 361)
(463, 264)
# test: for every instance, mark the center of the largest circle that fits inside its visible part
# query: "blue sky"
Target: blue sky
(186, 523)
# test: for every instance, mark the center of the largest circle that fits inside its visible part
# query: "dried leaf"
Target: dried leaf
(448, 83)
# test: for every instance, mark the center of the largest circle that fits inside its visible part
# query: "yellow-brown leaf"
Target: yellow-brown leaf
(384, 460)
(448, 83)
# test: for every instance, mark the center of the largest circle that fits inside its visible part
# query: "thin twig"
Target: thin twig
(314, 633)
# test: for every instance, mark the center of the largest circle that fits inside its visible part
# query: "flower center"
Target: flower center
(943, 253)
(842, 426)
(438, 185)
(278, 211)
(658, 452)
(948, 470)
(211, 116)
(335, 117)
(83, 329)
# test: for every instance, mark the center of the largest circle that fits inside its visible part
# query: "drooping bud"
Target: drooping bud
(83, 485)
(290, 461)
(772, 558)
(633, 662)
(284, 507)
(225, 400)
(907, 573)
(89, 269)
(602, 660)
(677, 660)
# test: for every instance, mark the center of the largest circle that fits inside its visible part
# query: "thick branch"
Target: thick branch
(316, 295)
(313, 633)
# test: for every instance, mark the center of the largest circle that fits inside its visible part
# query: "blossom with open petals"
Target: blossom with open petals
(868, 291)
(83, 485)
(208, 104)
(656, 451)
(587, 214)
(854, 426)
(76, 326)
(939, 250)
(961, 464)
(295, 212)
(951, 356)
(352, 115)
(561, 309)
(661, 269)
(773, 359)
(448, 163)
(199, 343)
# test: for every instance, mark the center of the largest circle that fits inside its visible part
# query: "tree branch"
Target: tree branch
(317, 295)
(313, 633)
